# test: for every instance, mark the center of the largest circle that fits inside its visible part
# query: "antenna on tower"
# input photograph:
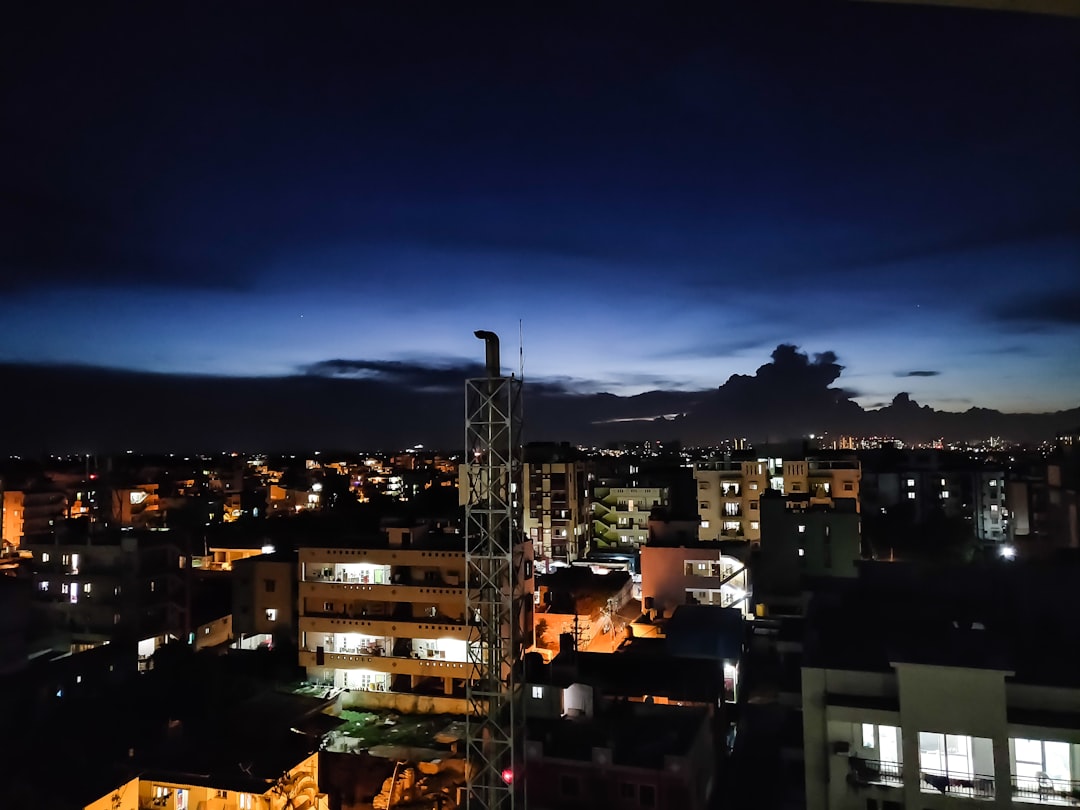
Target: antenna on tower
(521, 350)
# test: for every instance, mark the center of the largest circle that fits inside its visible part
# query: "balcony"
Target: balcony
(1042, 789)
(329, 590)
(862, 772)
(385, 626)
(971, 786)
(394, 665)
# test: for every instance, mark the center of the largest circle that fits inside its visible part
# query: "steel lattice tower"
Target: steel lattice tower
(496, 561)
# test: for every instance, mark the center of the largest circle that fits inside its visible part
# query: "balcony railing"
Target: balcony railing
(875, 771)
(975, 786)
(1045, 790)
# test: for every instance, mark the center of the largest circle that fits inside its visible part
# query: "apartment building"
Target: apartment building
(729, 490)
(699, 573)
(942, 692)
(555, 509)
(926, 482)
(389, 617)
(256, 786)
(110, 586)
(620, 515)
(28, 512)
(265, 592)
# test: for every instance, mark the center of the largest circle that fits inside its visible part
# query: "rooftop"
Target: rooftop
(639, 735)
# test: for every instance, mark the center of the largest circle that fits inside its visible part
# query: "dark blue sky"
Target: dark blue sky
(662, 197)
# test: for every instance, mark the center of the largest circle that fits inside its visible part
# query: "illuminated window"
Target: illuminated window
(802, 528)
(86, 587)
(911, 482)
(802, 552)
(704, 524)
(43, 586)
(911, 496)
(538, 692)
(44, 556)
(243, 801)
(754, 525)
(271, 614)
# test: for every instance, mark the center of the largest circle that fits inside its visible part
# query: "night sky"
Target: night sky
(242, 189)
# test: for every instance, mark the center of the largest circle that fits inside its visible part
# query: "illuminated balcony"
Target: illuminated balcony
(385, 626)
(389, 664)
(331, 590)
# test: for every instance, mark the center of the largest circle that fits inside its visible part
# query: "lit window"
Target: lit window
(44, 556)
(754, 525)
(993, 507)
(43, 586)
(944, 494)
(271, 614)
(911, 496)
(802, 552)
(802, 528)
(911, 482)
(538, 692)
(86, 587)
(244, 801)
(78, 679)
(704, 524)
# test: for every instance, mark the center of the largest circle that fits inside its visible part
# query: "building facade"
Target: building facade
(555, 510)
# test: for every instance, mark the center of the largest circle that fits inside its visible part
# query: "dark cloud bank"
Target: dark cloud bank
(360, 404)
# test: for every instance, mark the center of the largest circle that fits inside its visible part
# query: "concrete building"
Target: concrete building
(623, 755)
(265, 599)
(803, 539)
(389, 617)
(700, 573)
(939, 692)
(111, 587)
(555, 509)
(296, 787)
(925, 482)
(28, 512)
(730, 489)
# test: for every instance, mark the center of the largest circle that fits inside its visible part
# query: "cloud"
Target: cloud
(916, 373)
(47, 241)
(359, 405)
(1037, 312)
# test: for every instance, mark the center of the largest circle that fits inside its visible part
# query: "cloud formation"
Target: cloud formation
(916, 373)
(374, 404)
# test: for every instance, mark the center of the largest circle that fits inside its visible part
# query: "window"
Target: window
(1040, 761)
(753, 506)
(703, 505)
(881, 742)
(271, 615)
(911, 482)
(967, 763)
(911, 496)
(206, 631)
(802, 528)
(753, 485)
(44, 556)
(538, 692)
(755, 525)
(848, 486)
(647, 796)
(243, 801)
(43, 586)
(802, 552)
(704, 524)
(86, 587)
(944, 494)
(703, 484)
(269, 585)
(328, 607)
(568, 786)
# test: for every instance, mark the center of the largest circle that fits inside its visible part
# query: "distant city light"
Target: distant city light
(1008, 552)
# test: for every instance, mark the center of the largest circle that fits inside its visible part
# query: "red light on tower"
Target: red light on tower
(508, 775)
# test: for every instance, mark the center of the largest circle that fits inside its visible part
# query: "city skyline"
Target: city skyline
(659, 201)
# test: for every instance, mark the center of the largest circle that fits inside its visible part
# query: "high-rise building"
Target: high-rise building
(555, 510)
